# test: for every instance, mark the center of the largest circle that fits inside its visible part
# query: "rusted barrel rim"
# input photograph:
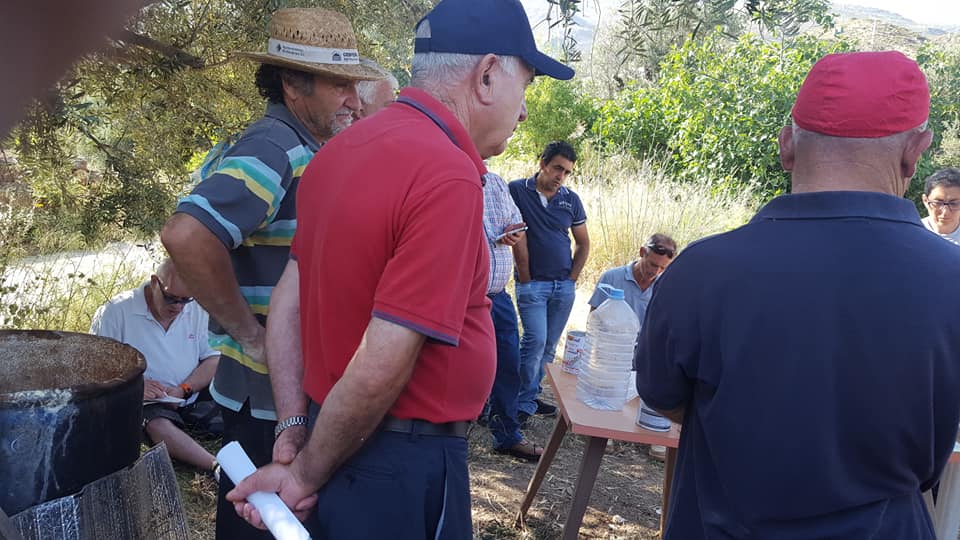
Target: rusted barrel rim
(129, 375)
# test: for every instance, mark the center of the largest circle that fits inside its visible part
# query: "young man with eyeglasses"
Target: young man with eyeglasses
(941, 196)
(161, 320)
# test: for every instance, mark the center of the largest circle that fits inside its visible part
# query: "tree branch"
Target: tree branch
(173, 53)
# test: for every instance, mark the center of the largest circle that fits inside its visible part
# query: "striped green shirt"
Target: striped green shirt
(248, 200)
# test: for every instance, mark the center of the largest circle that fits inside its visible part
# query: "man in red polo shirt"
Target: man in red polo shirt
(391, 265)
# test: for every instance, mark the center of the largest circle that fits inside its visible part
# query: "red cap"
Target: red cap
(863, 94)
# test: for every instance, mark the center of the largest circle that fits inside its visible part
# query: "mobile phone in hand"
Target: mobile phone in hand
(505, 233)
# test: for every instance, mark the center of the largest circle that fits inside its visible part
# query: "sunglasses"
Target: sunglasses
(661, 250)
(171, 299)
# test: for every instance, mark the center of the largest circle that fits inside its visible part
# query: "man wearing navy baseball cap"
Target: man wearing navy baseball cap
(397, 345)
(483, 27)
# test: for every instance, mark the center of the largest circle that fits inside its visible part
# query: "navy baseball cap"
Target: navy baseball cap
(486, 27)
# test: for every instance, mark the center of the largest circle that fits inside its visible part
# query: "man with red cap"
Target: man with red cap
(816, 376)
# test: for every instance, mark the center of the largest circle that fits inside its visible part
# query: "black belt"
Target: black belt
(422, 427)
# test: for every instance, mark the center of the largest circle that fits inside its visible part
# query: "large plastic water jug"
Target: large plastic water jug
(611, 336)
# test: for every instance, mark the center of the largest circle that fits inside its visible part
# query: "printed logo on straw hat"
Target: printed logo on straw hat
(314, 55)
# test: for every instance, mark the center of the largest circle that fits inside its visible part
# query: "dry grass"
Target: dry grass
(198, 492)
(627, 200)
(62, 291)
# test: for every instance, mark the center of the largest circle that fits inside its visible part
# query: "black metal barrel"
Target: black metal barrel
(70, 413)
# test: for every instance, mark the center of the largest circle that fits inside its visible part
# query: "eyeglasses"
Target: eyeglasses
(171, 299)
(661, 250)
(936, 205)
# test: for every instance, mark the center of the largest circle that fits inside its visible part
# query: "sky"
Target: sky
(932, 12)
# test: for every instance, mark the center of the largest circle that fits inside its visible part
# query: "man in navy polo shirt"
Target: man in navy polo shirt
(546, 274)
(812, 353)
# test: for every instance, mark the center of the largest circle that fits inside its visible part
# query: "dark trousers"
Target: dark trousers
(256, 437)
(506, 386)
(398, 485)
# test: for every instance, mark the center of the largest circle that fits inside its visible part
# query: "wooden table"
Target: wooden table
(598, 427)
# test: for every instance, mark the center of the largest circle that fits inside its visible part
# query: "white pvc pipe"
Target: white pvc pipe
(281, 522)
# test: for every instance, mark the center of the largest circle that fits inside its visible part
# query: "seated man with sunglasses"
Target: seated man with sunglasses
(636, 280)
(163, 322)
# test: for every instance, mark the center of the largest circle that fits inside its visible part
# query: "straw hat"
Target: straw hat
(314, 40)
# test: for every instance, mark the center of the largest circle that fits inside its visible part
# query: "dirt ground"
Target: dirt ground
(625, 503)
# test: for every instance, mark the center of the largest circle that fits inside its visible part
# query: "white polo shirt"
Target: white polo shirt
(171, 354)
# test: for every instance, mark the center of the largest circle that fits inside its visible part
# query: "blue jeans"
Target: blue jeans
(544, 307)
(506, 386)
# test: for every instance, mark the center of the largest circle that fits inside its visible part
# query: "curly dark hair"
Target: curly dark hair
(269, 80)
(558, 148)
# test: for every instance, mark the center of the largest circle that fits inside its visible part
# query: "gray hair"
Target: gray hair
(660, 239)
(367, 89)
(442, 71)
(166, 270)
(800, 132)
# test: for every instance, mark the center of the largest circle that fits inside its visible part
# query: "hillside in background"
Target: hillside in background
(872, 28)
(877, 29)
(847, 12)
(875, 35)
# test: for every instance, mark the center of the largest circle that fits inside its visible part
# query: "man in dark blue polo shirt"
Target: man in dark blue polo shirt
(546, 273)
(812, 353)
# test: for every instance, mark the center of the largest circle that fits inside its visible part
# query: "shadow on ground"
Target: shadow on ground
(625, 502)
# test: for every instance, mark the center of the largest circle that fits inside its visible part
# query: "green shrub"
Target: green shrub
(716, 111)
(941, 64)
(557, 110)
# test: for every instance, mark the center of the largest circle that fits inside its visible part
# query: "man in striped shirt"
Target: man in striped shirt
(500, 217)
(230, 238)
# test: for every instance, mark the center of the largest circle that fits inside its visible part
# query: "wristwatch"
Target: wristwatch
(187, 391)
(299, 420)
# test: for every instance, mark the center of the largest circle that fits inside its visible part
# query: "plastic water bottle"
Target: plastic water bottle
(611, 336)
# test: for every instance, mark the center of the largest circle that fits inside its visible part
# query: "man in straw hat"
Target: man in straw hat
(230, 237)
(398, 345)
(815, 375)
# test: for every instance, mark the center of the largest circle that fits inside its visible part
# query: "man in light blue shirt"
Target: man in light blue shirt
(636, 279)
